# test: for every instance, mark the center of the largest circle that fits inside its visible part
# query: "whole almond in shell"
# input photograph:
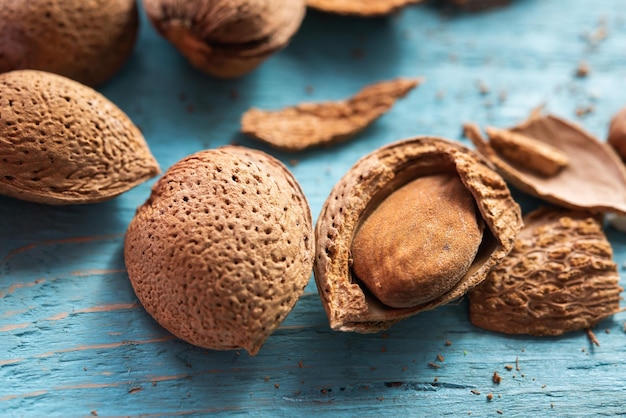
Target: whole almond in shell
(85, 40)
(226, 38)
(456, 224)
(560, 277)
(222, 249)
(62, 142)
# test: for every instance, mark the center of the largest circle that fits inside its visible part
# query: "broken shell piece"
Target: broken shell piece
(560, 277)
(527, 152)
(363, 8)
(594, 179)
(348, 303)
(312, 124)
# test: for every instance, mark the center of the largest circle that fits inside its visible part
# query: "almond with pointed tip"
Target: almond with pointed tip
(62, 142)
(85, 40)
(226, 38)
(222, 249)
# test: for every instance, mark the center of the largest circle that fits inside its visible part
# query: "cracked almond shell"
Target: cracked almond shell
(223, 248)
(593, 180)
(62, 142)
(85, 40)
(226, 38)
(559, 277)
(349, 306)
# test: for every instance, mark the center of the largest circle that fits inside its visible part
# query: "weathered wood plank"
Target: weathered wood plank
(75, 342)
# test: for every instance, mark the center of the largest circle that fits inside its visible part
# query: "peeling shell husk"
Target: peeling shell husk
(348, 305)
(593, 180)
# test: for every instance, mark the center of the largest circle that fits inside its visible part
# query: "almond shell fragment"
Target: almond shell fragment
(315, 124)
(362, 8)
(560, 277)
(349, 306)
(594, 178)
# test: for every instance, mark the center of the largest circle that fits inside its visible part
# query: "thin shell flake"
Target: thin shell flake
(314, 124)
(593, 180)
(560, 277)
(348, 305)
(363, 8)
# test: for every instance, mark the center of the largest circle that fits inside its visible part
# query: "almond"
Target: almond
(472, 201)
(85, 40)
(222, 249)
(62, 142)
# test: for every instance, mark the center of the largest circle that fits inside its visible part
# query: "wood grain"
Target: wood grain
(75, 342)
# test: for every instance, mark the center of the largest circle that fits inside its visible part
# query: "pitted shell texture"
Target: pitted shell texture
(222, 249)
(85, 40)
(560, 277)
(226, 38)
(62, 142)
(348, 305)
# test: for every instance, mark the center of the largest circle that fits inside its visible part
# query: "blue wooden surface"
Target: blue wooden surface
(75, 342)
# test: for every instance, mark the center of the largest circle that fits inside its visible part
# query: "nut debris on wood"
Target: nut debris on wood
(560, 277)
(313, 124)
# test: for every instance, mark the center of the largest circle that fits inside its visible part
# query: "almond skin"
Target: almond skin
(62, 142)
(222, 249)
(419, 242)
(85, 40)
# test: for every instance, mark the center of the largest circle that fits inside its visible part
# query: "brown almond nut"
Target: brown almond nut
(559, 277)
(617, 133)
(364, 189)
(62, 142)
(594, 179)
(419, 242)
(85, 40)
(526, 152)
(226, 38)
(363, 8)
(322, 124)
(223, 248)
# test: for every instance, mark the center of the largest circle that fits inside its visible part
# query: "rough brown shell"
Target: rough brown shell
(317, 124)
(560, 277)
(363, 8)
(348, 306)
(594, 178)
(85, 40)
(222, 249)
(226, 38)
(62, 142)
(617, 133)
